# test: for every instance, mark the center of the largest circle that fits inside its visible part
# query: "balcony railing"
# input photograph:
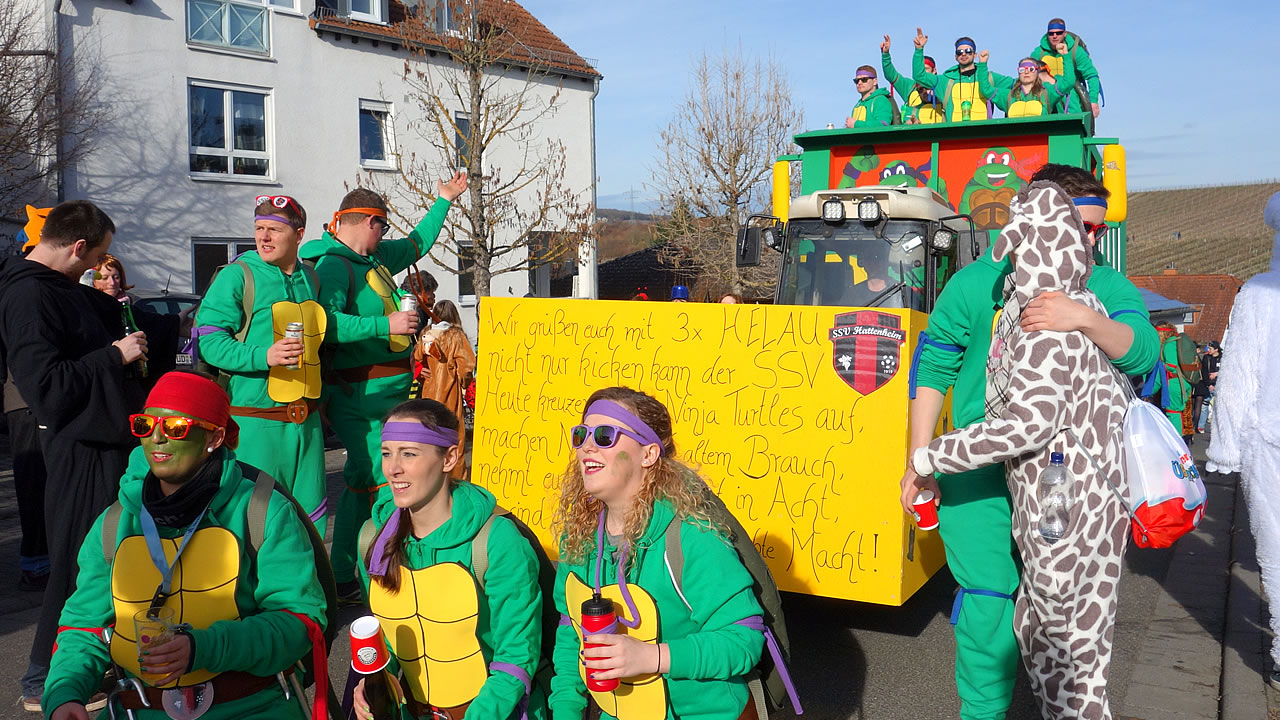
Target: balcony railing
(229, 24)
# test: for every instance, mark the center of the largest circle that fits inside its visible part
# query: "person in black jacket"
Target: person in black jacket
(1209, 362)
(65, 345)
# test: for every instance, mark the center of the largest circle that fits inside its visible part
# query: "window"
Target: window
(236, 24)
(444, 15)
(369, 10)
(466, 285)
(462, 138)
(229, 130)
(377, 147)
(284, 4)
(209, 254)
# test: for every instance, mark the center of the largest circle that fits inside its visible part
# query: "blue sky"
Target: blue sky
(1191, 90)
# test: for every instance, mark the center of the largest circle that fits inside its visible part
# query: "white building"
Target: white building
(219, 101)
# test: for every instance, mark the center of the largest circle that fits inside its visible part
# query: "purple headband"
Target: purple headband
(419, 433)
(1090, 200)
(613, 410)
(1029, 64)
(1058, 26)
(865, 74)
(277, 218)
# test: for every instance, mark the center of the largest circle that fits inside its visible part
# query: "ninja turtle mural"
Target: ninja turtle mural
(865, 160)
(986, 197)
(899, 173)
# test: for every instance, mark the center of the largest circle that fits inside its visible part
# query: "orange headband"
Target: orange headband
(363, 211)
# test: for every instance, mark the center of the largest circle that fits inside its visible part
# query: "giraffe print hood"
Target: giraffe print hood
(1047, 242)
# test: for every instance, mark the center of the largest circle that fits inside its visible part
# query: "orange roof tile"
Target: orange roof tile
(532, 42)
(1211, 295)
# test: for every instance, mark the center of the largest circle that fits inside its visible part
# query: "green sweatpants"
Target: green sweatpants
(356, 417)
(292, 454)
(976, 522)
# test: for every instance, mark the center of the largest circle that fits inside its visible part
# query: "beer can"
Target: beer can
(293, 330)
(408, 303)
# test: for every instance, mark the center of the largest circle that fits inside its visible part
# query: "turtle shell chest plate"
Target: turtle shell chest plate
(380, 281)
(431, 625)
(203, 589)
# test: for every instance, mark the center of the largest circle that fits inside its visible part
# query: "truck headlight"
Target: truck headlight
(833, 211)
(770, 237)
(942, 239)
(869, 210)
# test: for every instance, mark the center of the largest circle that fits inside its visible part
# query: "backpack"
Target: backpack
(1188, 359)
(769, 682)
(1079, 90)
(256, 515)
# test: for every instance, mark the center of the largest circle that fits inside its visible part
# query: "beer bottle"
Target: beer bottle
(382, 701)
(139, 367)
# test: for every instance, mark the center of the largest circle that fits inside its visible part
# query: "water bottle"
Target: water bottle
(966, 109)
(1052, 495)
(597, 617)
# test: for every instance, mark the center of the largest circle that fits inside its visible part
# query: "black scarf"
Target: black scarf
(182, 507)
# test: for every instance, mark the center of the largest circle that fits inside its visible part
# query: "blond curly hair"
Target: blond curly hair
(578, 512)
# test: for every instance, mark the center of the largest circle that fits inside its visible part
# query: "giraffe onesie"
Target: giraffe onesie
(1043, 388)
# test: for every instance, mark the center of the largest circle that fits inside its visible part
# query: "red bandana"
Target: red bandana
(197, 396)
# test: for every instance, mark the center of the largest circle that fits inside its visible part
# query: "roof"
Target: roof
(1201, 230)
(533, 44)
(1160, 304)
(640, 272)
(1210, 295)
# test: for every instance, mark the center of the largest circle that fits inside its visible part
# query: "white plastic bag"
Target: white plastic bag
(1166, 494)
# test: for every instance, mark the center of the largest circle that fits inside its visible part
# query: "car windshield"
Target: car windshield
(849, 264)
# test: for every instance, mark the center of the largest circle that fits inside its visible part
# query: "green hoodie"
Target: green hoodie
(264, 641)
(709, 654)
(952, 88)
(1005, 91)
(510, 624)
(361, 318)
(913, 96)
(1076, 64)
(953, 353)
(874, 110)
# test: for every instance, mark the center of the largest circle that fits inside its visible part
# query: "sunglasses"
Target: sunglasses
(863, 79)
(280, 201)
(604, 436)
(1057, 32)
(386, 226)
(1028, 68)
(1097, 230)
(174, 427)
(963, 52)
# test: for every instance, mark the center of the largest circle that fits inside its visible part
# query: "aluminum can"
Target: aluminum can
(408, 303)
(293, 330)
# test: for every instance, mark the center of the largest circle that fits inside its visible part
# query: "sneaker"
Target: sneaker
(1274, 679)
(349, 594)
(30, 704)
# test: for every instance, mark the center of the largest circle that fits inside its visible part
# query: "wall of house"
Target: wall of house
(140, 175)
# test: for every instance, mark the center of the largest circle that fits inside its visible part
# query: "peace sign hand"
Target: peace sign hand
(921, 38)
(884, 46)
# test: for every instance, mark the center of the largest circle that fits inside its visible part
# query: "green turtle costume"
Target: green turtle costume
(975, 517)
(371, 366)
(710, 654)
(1071, 70)
(1006, 93)
(246, 309)
(241, 610)
(918, 101)
(454, 639)
(958, 91)
(875, 110)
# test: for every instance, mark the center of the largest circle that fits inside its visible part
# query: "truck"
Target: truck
(795, 413)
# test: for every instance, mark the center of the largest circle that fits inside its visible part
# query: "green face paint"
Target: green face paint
(174, 461)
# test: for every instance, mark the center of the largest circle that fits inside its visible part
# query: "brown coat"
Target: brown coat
(444, 369)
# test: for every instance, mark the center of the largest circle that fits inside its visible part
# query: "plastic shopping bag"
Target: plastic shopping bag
(1166, 494)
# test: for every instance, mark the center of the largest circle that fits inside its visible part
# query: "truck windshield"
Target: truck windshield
(849, 264)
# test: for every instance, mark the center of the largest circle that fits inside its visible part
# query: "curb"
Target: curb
(1243, 690)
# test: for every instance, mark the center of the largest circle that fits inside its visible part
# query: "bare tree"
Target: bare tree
(714, 165)
(519, 213)
(50, 110)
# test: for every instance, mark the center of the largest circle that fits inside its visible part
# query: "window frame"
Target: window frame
(465, 247)
(388, 134)
(229, 152)
(378, 16)
(459, 141)
(266, 8)
(228, 243)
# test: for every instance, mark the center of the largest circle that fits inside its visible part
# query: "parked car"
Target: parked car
(164, 302)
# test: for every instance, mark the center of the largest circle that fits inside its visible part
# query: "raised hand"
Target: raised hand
(982, 56)
(921, 38)
(884, 46)
(1061, 48)
(453, 188)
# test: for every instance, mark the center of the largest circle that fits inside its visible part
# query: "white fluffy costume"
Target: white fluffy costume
(1053, 392)
(1246, 419)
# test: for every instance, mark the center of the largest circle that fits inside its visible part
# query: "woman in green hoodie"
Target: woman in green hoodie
(678, 652)
(1023, 96)
(485, 635)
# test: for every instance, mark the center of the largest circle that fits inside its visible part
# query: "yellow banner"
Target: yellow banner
(796, 416)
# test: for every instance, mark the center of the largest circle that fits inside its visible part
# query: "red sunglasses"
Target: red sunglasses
(280, 201)
(174, 427)
(1097, 230)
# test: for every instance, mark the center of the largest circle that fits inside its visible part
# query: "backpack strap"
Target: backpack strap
(673, 556)
(368, 534)
(110, 528)
(246, 301)
(263, 486)
(480, 546)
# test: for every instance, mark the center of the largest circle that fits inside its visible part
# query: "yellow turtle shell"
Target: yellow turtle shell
(431, 626)
(381, 282)
(643, 697)
(1054, 63)
(967, 91)
(204, 589)
(286, 385)
(1025, 108)
(924, 111)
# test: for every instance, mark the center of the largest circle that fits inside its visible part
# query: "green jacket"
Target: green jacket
(943, 84)
(1004, 91)
(1179, 388)
(913, 96)
(952, 353)
(510, 624)
(709, 653)
(877, 108)
(264, 641)
(357, 310)
(1077, 66)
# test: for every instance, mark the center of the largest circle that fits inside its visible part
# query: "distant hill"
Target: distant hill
(623, 232)
(611, 215)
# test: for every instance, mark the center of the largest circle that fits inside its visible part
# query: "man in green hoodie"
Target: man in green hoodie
(876, 107)
(1068, 61)
(975, 510)
(371, 364)
(920, 104)
(273, 379)
(957, 88)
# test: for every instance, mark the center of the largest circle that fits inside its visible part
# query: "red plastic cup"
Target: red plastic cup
(926, 514)
(368, 651)
(597, 617)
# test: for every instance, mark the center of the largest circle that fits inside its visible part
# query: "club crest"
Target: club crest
(866, 348)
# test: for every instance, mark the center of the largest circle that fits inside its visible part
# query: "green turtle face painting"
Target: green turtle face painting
(174, 461)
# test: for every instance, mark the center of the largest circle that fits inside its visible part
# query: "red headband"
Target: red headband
(197, 396)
